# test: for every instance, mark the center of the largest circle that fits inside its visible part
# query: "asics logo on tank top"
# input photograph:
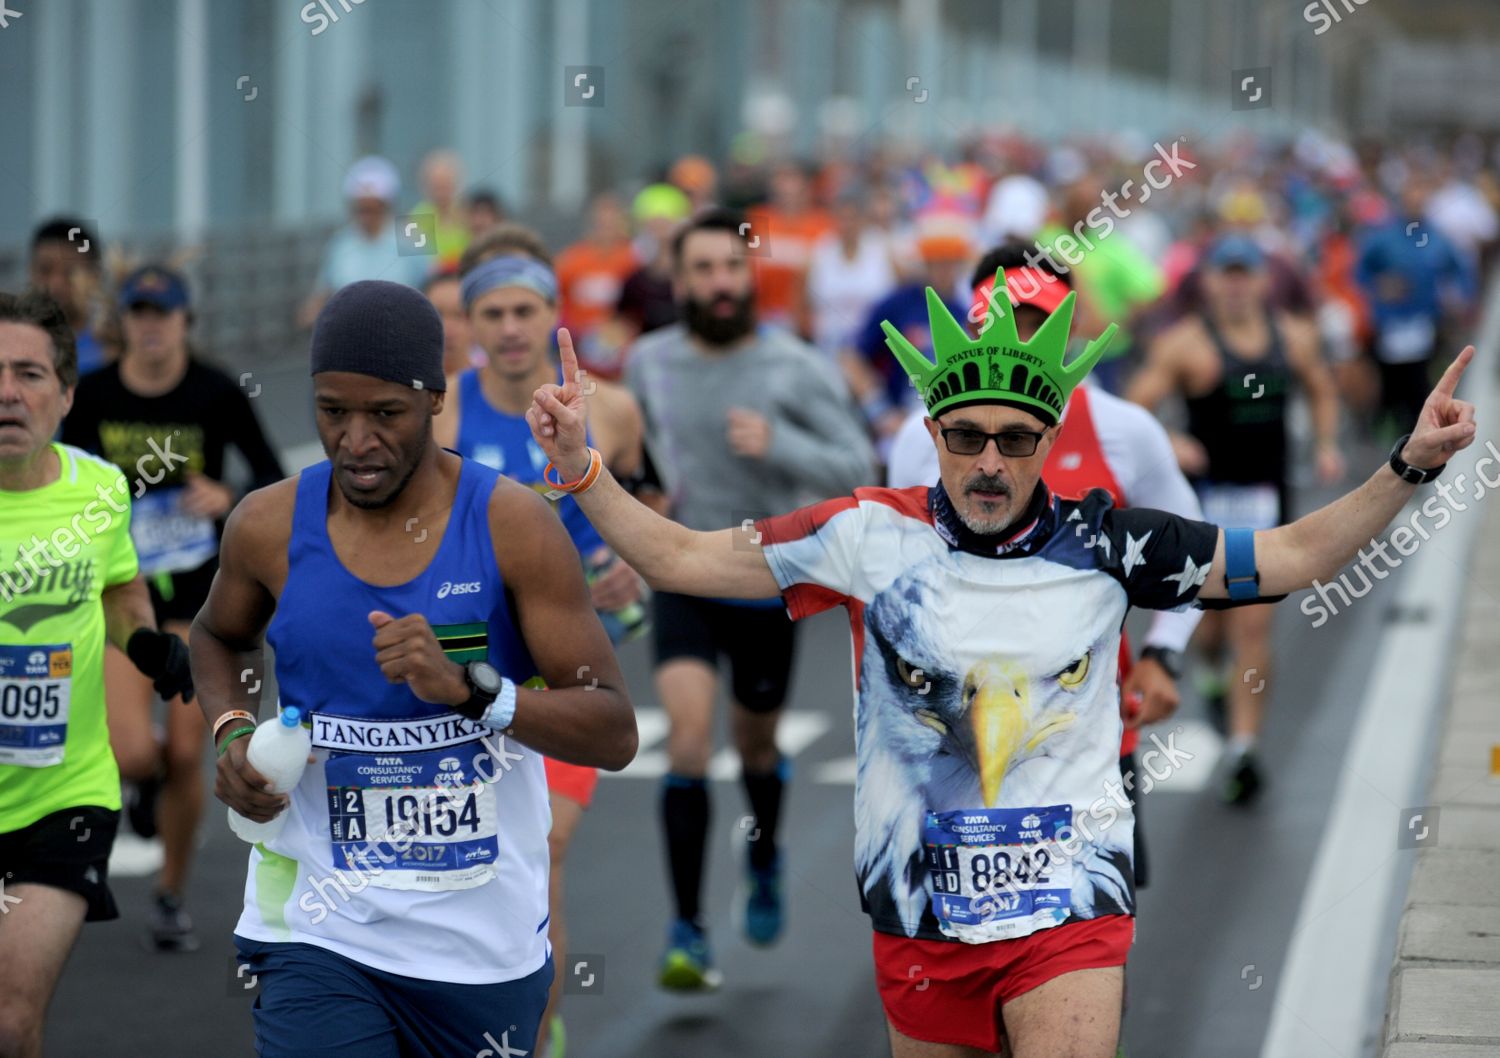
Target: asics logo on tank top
(458, 587)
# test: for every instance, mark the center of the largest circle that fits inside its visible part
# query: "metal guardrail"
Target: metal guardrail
(247, 282)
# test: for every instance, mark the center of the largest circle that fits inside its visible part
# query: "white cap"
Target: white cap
(372, 177)
(1017, 209)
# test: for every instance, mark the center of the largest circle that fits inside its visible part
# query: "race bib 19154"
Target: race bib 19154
(413, 820)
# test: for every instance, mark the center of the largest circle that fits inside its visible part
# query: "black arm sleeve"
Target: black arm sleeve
(645, 479)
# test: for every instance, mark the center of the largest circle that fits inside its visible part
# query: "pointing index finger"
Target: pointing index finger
(568, 357)
(1449, 382)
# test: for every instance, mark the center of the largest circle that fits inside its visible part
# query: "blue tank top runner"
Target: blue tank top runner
(322, 636)
(325, 665)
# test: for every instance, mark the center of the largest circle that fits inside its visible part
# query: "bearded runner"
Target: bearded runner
(992, 841)
(510, 294)
(410, 595)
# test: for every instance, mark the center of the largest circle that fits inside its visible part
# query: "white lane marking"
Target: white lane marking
(797, 730)
(651, 725)
(839, 772)
(133, 856)
(1334, 985)
(1194, 736)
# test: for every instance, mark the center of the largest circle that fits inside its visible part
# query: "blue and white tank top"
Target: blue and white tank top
(417, 842)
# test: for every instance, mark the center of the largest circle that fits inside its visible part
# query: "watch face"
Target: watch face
(484, 677)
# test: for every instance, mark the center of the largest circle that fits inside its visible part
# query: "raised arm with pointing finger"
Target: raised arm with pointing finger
(723, 563)
(730, 562)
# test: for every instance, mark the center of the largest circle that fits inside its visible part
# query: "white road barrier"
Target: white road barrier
(1331, 994)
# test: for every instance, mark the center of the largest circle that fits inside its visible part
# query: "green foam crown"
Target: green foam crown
(996, 367)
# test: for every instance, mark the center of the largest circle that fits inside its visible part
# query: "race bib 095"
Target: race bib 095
(35, 682)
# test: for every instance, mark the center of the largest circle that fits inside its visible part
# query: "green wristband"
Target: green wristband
(248, 729)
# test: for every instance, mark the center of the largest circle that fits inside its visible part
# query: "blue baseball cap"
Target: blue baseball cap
(1236, 251)
(154, 285)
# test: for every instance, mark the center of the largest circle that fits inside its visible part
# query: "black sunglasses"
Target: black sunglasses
(1015, 444)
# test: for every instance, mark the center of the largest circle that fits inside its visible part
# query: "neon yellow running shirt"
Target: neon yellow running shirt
(61, 547)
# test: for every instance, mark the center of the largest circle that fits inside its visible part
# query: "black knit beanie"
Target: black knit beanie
(385, 330)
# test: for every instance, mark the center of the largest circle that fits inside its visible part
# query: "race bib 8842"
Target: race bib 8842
(998, 873)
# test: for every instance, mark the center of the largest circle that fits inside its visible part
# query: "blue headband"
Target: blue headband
(509, 271)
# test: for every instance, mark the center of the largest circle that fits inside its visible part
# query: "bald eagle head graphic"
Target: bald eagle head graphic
(976, 695)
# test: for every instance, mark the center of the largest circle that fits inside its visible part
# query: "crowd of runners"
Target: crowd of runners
(831, 348)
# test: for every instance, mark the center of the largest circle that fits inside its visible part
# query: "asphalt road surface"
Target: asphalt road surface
(1212, 931)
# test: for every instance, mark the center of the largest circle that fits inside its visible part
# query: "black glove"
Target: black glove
(164, 658)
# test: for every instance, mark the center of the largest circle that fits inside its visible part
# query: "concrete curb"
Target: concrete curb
(1445, 983)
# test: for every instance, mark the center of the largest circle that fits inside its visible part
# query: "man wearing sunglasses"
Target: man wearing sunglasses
(992, 839)
(1103, 442)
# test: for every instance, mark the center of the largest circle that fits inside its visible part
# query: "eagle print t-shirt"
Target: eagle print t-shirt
(987, 800)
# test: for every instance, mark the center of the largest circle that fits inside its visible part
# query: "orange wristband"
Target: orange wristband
(233, 714)
(583, 484)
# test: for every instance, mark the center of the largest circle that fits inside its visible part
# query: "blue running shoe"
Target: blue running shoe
(764, 916)
(687, 965)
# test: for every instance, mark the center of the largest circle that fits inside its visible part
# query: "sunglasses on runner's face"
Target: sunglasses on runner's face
(1015, 444)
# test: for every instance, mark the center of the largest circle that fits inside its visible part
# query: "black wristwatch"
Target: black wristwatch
(1406, 472)
(1167, 658)
(484, 687)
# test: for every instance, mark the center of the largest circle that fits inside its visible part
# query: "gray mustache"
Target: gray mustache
(987, 484)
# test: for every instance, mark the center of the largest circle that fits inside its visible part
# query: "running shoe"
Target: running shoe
(687, 965)
(140, 805)
(1212, 687)
(171, 929)
(1242, 786)
(763, 913)
(557, 1039)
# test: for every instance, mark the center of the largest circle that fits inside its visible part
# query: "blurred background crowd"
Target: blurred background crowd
(1378, 244)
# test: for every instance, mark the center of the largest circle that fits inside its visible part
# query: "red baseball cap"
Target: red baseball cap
(1026, 286)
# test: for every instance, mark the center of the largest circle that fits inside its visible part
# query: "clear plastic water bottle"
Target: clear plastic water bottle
(630, 622)
(278, 750)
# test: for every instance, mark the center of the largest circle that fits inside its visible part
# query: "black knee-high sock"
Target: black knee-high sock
(764, 791)
(684, 816)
